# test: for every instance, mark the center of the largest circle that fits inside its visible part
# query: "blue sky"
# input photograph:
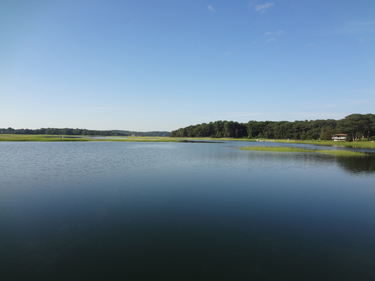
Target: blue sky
(161, 65)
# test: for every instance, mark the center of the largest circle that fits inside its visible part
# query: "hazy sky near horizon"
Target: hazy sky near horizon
(161, 65)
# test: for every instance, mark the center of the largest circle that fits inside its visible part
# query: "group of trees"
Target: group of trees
(356, 126)
(81, 132)
(218, 129)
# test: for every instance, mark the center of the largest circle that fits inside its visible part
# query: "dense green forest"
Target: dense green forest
(356, 126)
(82, 132)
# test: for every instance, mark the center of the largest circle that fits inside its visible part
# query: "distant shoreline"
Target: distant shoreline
(72, 138)
(69, 138)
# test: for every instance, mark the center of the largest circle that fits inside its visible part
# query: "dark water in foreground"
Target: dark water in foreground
(183, 211)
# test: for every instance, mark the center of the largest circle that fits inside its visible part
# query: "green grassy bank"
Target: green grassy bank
(49, 138)
(343, 153)
(21, 137)
(356, 144)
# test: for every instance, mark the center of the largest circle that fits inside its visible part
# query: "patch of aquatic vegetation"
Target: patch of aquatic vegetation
(343, 153)
(296, 149)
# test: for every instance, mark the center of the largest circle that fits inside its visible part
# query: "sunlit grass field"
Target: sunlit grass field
(11, 137)
(344, 153)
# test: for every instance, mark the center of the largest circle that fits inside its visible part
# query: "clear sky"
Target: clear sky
(161, 65)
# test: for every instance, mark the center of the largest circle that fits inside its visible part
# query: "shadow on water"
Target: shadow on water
(352, 165)
(357, 164)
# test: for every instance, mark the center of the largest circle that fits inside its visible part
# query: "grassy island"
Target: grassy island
(296, 149)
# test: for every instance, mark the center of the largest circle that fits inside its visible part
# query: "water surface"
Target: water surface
(183, 211)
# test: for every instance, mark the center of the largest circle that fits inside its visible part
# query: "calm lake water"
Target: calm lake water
(183, 211)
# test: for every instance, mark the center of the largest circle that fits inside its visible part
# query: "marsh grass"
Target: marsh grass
(341, 153)
(345, 144)
(6, 137)
(59, 138)
(356, 144)
(50, 138)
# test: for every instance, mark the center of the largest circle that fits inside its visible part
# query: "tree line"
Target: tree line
(356, 126)
(82, 132)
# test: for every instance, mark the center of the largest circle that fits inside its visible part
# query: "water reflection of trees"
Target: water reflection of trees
(357, 164)
(353, 165)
